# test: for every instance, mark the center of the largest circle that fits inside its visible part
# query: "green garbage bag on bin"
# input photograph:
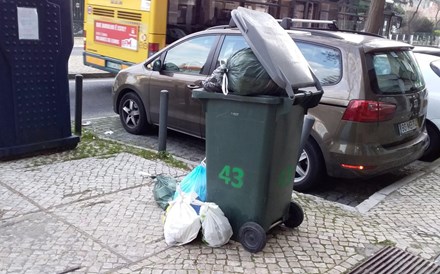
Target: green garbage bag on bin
(246, 76)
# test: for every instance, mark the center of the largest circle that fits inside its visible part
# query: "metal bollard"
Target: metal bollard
(163, 120)
(78, 103)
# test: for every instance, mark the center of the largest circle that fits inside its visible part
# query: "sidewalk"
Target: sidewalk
(98, 215)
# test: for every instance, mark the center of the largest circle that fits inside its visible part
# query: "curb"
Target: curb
(92, 75)
(190, 163)
(382, 194)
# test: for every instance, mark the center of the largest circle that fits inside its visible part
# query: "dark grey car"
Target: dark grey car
(370, 120)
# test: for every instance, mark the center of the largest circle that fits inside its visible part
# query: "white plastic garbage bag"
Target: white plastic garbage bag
(216, 228)
(182, 223)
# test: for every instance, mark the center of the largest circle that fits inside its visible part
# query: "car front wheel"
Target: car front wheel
(132, 114)
(310, 169)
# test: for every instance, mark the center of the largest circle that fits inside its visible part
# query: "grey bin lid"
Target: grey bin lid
(275, 50)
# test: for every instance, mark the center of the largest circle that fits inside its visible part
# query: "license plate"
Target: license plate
(113, 65)
(408, 126)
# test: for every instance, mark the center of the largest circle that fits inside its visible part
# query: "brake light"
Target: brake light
(153, 48)
(368, 111)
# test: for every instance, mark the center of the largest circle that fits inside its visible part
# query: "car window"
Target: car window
(231, 45)
(396, 72)
(190, 56)
(325, 61)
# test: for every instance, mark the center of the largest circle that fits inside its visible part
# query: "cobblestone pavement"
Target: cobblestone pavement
(188, 148)
(98, 215)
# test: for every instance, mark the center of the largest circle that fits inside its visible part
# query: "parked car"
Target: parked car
(427, 50)
(430, 67)
(370, 120)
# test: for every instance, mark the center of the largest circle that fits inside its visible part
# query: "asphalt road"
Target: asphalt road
(97, 101)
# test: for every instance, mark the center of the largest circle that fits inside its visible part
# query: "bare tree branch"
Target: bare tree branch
(375, 16)
(413, 16)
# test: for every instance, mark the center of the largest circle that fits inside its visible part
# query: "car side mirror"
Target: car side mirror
(157, 65)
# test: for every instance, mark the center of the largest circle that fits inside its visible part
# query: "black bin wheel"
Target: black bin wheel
(252, 236)
(296, 215)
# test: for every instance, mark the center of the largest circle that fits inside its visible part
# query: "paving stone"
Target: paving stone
(67, 182)
(13, 205)
(42, 244)
(110, 222)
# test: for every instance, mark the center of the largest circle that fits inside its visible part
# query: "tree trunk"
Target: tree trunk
(375, 16)
(436, 16)
(413, 16)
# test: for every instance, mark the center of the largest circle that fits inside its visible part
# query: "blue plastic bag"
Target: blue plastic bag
(195, 181)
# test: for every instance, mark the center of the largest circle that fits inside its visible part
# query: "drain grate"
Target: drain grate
(392, 260)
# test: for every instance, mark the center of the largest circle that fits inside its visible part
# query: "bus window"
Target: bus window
(174, 34)
(190, 56)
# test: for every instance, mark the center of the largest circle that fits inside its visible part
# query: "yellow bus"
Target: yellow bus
(120, 33)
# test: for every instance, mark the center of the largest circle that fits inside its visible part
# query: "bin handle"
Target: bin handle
(288, 87)
(317, 82)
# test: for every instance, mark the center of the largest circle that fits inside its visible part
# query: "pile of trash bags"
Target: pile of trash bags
(187, 212)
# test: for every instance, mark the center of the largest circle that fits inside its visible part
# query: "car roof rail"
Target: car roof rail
(335, 34)
(219, 27)
(229, 26)
(287, 23)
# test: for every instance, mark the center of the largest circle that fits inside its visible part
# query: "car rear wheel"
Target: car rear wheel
(132, 114)
(310, 169)
(296, 215)
(433, 150)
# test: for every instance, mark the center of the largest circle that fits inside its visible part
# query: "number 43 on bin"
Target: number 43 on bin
(232, 175)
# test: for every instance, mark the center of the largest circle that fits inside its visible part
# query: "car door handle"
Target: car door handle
(192, 86)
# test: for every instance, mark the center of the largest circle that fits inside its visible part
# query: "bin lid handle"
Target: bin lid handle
(288, 87)
(317, 82)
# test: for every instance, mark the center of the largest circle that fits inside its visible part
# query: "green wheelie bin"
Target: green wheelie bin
(253, 142)
(252, 145)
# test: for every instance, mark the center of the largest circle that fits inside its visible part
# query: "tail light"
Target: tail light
(368, 111)
(153, 48)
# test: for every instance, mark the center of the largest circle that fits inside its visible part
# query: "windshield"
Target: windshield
(396, 72)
